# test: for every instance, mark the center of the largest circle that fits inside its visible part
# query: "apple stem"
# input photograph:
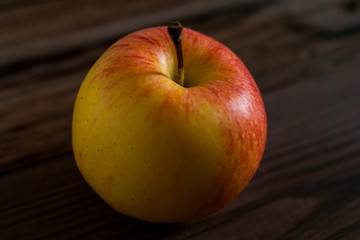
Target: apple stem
(174, 30)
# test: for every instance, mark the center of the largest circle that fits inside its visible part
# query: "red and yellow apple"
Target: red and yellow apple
(159, 151)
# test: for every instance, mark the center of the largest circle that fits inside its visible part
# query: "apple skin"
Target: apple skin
(160, 152)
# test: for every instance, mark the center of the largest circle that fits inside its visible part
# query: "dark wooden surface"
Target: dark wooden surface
(305, 57)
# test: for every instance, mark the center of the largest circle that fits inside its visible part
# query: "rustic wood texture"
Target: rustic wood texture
(305, 57)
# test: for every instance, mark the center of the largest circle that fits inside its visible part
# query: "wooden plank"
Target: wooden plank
(59, 34)
(307, 186)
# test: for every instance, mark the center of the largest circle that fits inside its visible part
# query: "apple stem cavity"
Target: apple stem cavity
(174, 30)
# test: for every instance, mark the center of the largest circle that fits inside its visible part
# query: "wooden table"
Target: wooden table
(305, 57)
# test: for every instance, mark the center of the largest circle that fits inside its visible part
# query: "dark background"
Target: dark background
(305, 57)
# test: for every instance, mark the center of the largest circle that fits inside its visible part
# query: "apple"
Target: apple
(168, 125)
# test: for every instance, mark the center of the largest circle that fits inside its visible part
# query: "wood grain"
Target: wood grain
(305, 57)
